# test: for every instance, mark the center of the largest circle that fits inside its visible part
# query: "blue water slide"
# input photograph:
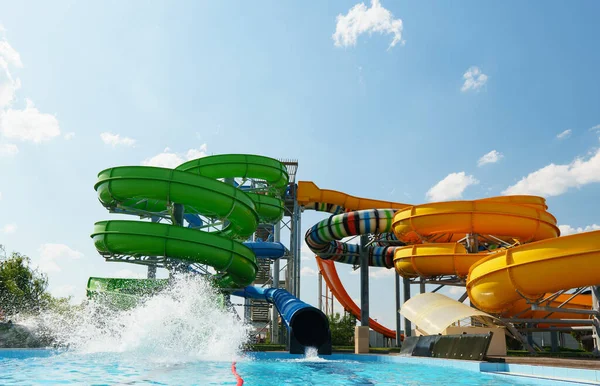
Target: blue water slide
(307, 325)
(194, 221)
(266, 250)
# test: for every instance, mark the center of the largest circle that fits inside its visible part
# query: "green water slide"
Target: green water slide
(201, 187)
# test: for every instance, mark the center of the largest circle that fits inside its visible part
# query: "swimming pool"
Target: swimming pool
(51, 367)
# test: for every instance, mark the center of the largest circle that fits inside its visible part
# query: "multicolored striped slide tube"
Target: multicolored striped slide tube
(324, 237)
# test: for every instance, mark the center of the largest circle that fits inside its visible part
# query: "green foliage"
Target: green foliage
(22, 288)
(342, 329)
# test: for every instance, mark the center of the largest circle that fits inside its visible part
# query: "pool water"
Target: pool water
(47, 367)
(183, 336)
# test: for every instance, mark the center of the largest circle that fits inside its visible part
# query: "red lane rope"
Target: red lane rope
(239, 379)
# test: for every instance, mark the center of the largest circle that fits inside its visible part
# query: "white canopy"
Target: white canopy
(432, 313)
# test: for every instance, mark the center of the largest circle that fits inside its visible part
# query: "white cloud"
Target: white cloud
(129, 274)
(0, 195)
(377, 272)
(116, 140)
(168, 159)
(8, 84)
(51, 254)
(595, 128)
(9, 229)
(306, 254)
(69, 136)
(8, 150)
(474, 79)
(308, 271)
(28, 124)
(196, 153)
(569, 230)
(360, 19)
(490, 158)
(554, 180)
(9, 54)
(451, 187)
(565, 134)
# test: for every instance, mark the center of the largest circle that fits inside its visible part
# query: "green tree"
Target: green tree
(342, 329)
(22, 288)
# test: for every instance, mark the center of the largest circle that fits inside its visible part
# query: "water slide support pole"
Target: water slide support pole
(361, 333)
(595, 319)
(472, 247)
(406, 291)
(473, 242)
(364, 281)
(292, 264)
(152, 268)
(320, 290)
(554, 340)
(275, 284)
(177, 219)
(178, 211)
(327, 302)
(422, 286)
(298, 246)
(398, 319)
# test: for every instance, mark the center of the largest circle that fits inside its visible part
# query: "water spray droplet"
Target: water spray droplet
(184, 322)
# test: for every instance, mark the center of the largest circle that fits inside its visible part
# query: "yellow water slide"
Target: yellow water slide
(539, 262)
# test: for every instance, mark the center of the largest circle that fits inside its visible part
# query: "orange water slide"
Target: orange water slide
(310, 193)
(329, 272)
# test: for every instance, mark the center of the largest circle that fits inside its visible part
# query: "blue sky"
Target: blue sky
(404, 101)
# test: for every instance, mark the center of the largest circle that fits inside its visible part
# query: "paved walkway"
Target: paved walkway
(590, 364)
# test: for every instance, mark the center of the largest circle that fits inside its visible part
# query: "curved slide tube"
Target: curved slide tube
(195, 185)
(266, 250)
(511, 217)
(307, 325)
(312, 197)
(323, 238)
(531, 270)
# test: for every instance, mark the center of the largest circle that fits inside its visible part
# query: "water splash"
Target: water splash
(311, 353)
(184, 322)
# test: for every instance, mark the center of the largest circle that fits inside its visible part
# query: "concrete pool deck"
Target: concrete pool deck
(559, 371)
(590, 364)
